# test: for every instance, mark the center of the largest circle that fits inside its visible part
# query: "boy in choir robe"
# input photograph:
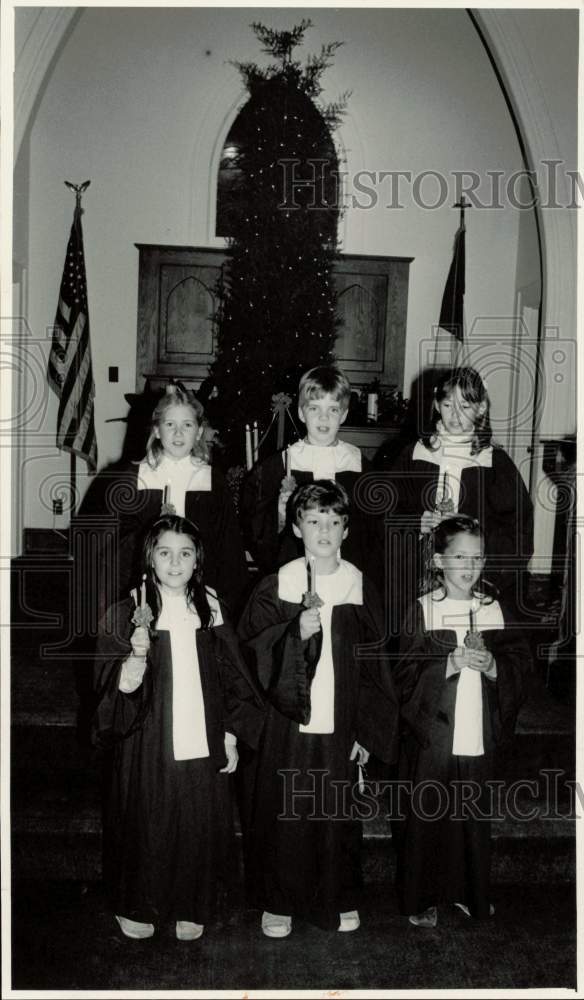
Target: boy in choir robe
(320, 658)
(324, 394)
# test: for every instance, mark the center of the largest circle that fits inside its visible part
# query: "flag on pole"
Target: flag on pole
(69, 372)
(452, 310)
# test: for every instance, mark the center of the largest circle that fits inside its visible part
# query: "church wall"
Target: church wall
(139, 100)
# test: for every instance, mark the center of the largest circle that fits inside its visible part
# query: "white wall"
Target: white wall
(139, 100)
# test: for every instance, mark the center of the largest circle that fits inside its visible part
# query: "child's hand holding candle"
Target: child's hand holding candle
(140, 641)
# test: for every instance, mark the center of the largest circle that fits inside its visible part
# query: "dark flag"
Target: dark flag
(451, 313)
(69, 371)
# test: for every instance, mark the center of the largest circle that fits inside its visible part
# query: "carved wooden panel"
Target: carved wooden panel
(372, 310)
(177, 298)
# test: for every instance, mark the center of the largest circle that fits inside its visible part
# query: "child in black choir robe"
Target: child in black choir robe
(323, 403)
(330, 703)
(173, 696)
(461, 681)
(175, 473)
(456, 468)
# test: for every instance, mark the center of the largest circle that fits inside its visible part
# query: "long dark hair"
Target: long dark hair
(438, 541)
(196, 593)
(473, 390)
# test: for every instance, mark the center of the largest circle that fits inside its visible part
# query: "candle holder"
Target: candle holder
(143, 616)
(473, 638)
(445, 505)
(310, 600)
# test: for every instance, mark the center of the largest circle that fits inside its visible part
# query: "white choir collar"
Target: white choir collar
(293, 582)
(324, 462)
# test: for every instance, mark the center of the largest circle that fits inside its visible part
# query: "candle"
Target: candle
(288, 462)
(248, 456)
(255, 441)
(167, 494)
(473, 626)
(312, 564)
(143, 592)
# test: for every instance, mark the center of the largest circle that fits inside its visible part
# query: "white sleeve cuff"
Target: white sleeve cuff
(230, 740)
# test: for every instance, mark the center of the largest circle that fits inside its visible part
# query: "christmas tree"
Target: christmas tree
(277, 306)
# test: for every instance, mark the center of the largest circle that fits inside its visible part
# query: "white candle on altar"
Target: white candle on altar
(248, 454)
(255, 441)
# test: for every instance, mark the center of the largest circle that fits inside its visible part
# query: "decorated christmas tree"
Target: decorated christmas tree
(277, 307)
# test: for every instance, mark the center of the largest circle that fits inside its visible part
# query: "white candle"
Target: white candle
(312, 562)
(255, 440)
(143, 592)
(167, 493)
(248, 455)
(288, 462)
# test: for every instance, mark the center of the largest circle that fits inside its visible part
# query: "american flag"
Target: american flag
(69, 372)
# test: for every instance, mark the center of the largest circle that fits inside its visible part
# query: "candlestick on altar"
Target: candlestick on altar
(255, 441)
(143, 592)
(248, 452)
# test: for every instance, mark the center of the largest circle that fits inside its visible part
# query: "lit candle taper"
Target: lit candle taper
(255, 441)
(312, 566)
(248, 454)
(166, 500)
(143, 592)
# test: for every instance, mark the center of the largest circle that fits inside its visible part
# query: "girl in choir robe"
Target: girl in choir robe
(175, 476)
(456, 468)
(320, 659)
(173, 695)
(461, 679)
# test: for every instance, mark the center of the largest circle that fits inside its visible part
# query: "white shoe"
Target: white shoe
(275, 925)
(186, 930)
(349, 921)
(429, 918)
(134, 929)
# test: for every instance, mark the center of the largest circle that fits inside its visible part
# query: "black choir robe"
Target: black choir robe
(116, 496)
(303, 866)
(444, 859)
(168, 825)
(272, 548)
(496, 496)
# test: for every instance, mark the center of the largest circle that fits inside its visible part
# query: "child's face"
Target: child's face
(461, 564)
(322, 532)
(323, 417)
(459, 416)
(174, 559)
(178, 430)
